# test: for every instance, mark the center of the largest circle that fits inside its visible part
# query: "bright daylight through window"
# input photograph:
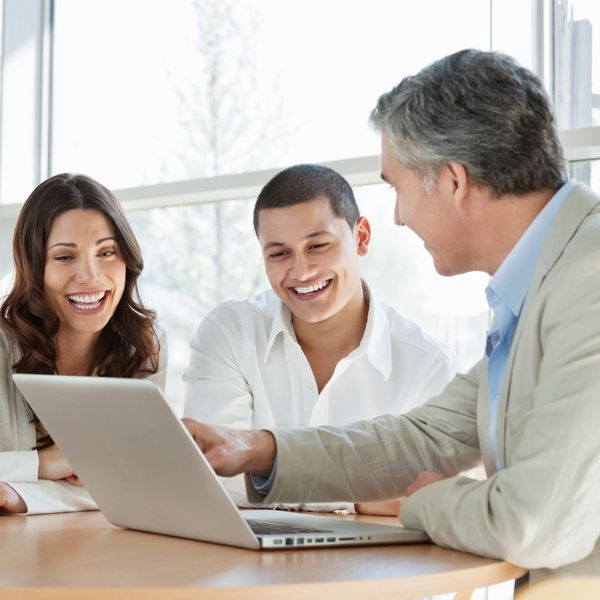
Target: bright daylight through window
(191, 95)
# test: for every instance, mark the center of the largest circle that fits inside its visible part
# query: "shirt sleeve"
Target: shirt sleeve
(263, 484)
(45, 496)
(442, 370)
(21, 465)
(216, 390)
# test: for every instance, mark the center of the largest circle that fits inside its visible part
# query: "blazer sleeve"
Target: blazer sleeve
(19, 465)
(376, 460)
(17, 460)
(542, 509)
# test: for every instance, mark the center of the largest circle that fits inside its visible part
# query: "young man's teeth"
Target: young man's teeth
(311, 288)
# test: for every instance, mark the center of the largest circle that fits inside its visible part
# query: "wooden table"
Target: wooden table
(68, 555)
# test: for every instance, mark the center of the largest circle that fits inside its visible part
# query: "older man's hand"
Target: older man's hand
(234, 451)
(392, 507)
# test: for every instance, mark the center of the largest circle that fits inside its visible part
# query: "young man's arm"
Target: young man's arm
(215, 388)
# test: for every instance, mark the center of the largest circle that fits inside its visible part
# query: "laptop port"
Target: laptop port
(289, 541)
(318, 540)
(331, 539)
(347, 539)
(300, 541)
(277, 542)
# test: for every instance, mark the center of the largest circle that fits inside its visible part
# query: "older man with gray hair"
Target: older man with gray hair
(470, 146)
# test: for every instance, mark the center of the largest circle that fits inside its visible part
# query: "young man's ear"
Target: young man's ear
(362, 231)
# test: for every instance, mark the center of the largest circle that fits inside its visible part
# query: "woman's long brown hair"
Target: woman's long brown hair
(128, 345)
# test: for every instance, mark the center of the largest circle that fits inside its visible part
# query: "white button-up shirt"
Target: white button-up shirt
(247, 369)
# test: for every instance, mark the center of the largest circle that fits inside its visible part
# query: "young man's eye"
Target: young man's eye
(278, 254)
(320, 246)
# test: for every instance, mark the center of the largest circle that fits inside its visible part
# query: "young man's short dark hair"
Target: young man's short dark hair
(303, 183)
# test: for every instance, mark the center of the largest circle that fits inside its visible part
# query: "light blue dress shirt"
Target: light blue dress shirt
(506, 294)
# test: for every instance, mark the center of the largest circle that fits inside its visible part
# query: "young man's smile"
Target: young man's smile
(311, 257)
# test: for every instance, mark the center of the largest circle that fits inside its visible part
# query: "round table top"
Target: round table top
(83, 550)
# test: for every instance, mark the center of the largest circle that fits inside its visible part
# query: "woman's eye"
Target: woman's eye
(108, 253)
(63, 258)
(320, 246)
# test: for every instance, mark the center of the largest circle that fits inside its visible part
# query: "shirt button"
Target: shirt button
(308, 385)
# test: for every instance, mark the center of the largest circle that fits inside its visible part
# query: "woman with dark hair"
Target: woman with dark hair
(73, 309)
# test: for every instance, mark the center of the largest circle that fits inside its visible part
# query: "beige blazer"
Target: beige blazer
(543, 509)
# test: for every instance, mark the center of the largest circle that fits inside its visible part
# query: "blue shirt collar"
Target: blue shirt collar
(511, 281)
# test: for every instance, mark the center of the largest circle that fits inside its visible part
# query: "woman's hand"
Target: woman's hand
(10, 501)
(53, 465)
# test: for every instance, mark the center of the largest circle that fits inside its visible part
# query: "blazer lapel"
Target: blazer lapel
(581, 202)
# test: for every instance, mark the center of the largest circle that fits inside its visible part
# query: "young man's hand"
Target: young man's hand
(10, 501)
(234, 451)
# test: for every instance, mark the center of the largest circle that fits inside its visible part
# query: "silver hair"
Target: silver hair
(482, 110)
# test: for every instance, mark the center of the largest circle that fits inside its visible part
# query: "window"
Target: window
(577, 63)
(588, 172)
(150, 92)
(188, 107)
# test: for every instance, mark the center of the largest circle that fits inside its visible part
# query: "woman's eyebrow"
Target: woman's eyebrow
(105, 239)
(68, 244)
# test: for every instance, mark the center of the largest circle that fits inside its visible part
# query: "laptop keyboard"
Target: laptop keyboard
(275, 528)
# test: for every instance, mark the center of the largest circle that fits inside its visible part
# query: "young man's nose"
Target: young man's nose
(302, 268)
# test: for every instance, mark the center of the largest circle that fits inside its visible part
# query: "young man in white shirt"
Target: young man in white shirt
(318, 348)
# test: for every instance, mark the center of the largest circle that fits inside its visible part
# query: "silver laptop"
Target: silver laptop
(145, 472)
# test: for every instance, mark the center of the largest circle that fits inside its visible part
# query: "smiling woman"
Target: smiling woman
(84, 279)
(74, 309)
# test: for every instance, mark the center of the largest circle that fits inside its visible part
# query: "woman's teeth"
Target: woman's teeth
(87, 301)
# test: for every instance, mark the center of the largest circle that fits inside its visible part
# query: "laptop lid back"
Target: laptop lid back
(152, 478)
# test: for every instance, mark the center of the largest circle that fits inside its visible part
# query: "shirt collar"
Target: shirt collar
(375, 342)
(511, 281)
(282, 324)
